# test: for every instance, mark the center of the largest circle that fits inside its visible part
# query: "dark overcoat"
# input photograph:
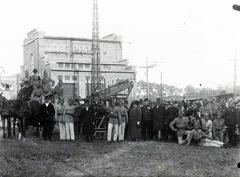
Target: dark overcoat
(159, 116)
(88, 120)
(172, 113)
(135, 115)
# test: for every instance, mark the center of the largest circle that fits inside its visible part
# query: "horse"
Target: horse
(4, 117)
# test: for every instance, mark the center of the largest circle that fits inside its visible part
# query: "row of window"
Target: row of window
(67, 78)
(74, 78)
(79, 66)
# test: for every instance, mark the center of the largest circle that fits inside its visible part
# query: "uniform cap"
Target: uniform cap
(70, 99)
(35, 71)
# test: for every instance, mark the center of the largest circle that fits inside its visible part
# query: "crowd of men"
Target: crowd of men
(185, 121)
(178, 121)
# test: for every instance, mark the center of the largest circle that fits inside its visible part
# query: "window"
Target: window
(67, 65)
(60, 65)
(60, 77)
(67, 77)
(7, 87)
(87, 65)
(80, 65)
(74, 78)
(107, 67)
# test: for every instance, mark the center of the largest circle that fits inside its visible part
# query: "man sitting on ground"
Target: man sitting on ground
(182, 126)
(201, 138)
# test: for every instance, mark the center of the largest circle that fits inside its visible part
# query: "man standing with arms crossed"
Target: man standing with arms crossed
(113, 121)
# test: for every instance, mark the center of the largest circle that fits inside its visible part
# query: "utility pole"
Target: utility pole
(147, 67)
(235, 75)
(161, 87)
(237, 8)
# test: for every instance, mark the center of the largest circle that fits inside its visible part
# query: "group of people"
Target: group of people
(203, 121)
(206, 122)
(39, 87)
(41, 90)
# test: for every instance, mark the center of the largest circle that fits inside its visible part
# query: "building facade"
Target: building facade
(9, 86)
(69, 59)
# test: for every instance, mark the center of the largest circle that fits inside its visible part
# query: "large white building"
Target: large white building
(69, 59)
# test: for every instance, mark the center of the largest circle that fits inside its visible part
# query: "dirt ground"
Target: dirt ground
(36, 157)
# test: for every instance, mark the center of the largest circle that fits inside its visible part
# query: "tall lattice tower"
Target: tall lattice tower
(95, 71)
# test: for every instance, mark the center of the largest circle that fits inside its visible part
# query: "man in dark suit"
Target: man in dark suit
(47, 113)
(231, 120)
(146, 120)
(172, 113)
(88, 118)
(159, 116)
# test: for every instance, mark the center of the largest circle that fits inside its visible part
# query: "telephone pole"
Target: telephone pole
(237, 8)
(235, 75)
(147, 67)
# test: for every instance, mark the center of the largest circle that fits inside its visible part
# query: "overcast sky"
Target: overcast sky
(197, 40)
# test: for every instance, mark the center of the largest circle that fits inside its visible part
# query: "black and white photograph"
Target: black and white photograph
(125, 88)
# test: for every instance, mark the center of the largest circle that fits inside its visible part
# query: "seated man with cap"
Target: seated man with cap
(37, 93)
(35, 79)
(219, 127)
(47, 87)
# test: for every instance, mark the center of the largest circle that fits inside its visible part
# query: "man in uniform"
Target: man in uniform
(146, 120)
(205, 109)
(219, 127)
(37, 93)
(47, 87)
(68, 117)
(35, 79)
(215, 108)
(113, 121)
(181, 127)
(58, 92)
(59, 114)
(123, 120)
